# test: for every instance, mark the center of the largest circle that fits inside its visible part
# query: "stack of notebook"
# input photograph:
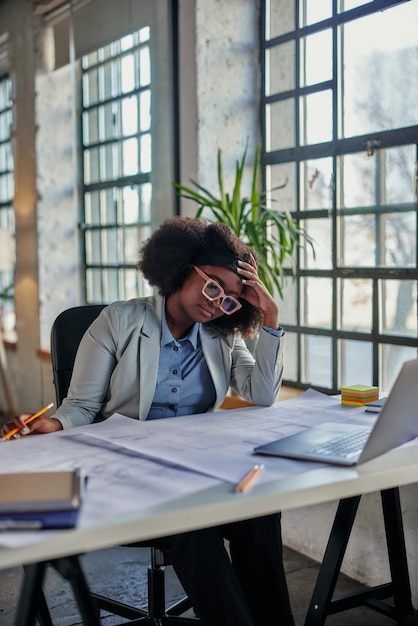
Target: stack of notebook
(40, 500)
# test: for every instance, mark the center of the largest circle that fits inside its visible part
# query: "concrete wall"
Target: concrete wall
(219, 88)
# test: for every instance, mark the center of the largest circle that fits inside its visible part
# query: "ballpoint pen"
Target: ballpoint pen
(16, 430)
(249, 478)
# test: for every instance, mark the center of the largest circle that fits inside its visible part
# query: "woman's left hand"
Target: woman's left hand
(257, 294)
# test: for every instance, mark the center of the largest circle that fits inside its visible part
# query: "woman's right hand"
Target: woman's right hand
(41, 424)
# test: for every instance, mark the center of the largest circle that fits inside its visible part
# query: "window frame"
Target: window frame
(334, 149)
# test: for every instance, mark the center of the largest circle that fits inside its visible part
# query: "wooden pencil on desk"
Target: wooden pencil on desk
(249, 479)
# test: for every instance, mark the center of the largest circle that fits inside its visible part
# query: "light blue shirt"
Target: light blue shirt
(184, 384)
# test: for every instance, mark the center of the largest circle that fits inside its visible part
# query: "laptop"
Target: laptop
(351, 444)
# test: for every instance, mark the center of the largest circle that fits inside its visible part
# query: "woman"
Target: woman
(177, 353)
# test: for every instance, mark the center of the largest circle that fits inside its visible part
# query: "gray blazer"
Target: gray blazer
(117, 364)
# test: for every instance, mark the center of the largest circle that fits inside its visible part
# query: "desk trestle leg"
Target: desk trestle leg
(32, 604)
(322, 602)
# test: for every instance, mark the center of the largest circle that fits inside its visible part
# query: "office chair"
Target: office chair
(66, 333)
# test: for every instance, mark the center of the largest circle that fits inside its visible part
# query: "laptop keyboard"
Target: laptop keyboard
(345, 446)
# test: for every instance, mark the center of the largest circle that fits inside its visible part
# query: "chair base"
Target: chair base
(170, 620)
(156, 614)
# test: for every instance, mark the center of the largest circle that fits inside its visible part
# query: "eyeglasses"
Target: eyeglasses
(213, 291)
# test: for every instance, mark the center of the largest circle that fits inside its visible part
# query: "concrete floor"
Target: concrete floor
(121, 573)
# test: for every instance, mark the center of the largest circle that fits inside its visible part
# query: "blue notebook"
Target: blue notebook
(39, 521)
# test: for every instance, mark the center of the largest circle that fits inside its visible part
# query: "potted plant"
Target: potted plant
(274, 235)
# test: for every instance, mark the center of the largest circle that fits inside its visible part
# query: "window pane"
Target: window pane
(130, 157)
(398, 306)
(316, 302)
(94, 285)
(130, 205)
(109, 162)
(110, 285)
(287, 307)
(281, 186)
(398, 240)
(92, 208)
(106, 81)
(280, 73)
(316, 118)
(6, 188)
(291, 367)
(316, 184)
(146, 196)
(312, 11)
(145, 67)
(399, 165)
(110, 122)
(90, 87)
(127, 73)
(90, 127)
(357, 241)
(316, 360)
(91, 165)
(110, 248)
(280, 17)
(391, 359)
(129, 281)
(316, 58)
(127, 42)
(356, 174)
(145, 110)
(144, 34)
(355, 305)
(380, 71)
(109, 206)
(347, 5)
(129, 116)
(356, 359)
(320, 230)
(145, 153)
(93, 246)
(280, 135)
(130, 245)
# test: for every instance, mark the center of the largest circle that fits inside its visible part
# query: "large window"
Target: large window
(340, 125)
(116, 139)
(7, 221)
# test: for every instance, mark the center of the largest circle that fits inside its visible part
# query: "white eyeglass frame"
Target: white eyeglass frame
(222, 294)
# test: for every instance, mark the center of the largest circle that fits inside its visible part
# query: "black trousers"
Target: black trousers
(248, 589)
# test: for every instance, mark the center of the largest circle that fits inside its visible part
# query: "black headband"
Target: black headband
(230, 261)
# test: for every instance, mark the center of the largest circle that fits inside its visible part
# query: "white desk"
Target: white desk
(219, 505)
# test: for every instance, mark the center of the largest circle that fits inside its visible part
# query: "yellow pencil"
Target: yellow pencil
(16, 430)
(249, 478)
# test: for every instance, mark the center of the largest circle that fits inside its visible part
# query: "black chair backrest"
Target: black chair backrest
(66, 333)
